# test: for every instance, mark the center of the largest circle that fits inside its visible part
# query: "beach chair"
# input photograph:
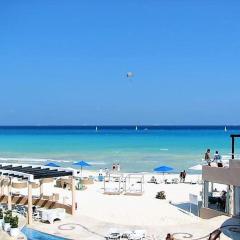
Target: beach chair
(167, 181)
(137, 235)
(113, 234)
(175, 181)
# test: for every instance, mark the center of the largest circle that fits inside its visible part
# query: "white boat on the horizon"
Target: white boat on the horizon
(225, 129)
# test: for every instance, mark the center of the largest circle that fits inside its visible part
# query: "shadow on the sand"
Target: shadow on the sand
(186, 208)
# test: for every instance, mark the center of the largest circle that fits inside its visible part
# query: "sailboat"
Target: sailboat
(225, 129)
(96, 128)
(136, 128)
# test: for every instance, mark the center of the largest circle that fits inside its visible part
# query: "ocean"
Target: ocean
(137, 150)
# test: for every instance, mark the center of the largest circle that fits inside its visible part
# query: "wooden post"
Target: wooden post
(29, 203)
(73, 196)
(41, 188)
(9, 194)
(1, 186)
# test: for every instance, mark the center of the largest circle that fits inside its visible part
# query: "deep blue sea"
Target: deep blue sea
(138, 150)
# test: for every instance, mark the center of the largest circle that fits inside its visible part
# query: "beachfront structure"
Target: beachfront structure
(134, 184)
(113, 184)
(29, 175)
(213, 203)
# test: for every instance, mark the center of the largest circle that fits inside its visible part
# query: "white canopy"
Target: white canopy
(196, 167)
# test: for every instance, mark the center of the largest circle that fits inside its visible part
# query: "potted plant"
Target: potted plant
(7, 225)
(14, 231)
(161, 195)
(1, 219)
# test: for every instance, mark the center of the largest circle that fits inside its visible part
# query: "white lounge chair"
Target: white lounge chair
(52, 214)
(175, 181)
(113, 234)
(137, 235)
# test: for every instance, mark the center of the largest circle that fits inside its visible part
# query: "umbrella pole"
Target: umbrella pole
(81, 171)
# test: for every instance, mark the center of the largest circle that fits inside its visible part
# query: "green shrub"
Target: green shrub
(161, 195)
(7, 218)
(14, 222)
(8, 213)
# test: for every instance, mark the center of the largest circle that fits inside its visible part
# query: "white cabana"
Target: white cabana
(113, 184)
(134, 184)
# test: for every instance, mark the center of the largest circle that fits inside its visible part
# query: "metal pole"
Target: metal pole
(233, 143)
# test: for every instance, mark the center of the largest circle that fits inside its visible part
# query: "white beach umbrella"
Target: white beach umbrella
(197, 167)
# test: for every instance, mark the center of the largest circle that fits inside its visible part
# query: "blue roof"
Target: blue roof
(82, 164)
(52, 164)
(163, 169)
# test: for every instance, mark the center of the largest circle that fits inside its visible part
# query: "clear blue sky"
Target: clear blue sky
(64, 62)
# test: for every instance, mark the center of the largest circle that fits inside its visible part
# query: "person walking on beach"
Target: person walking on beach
(207, 157)
(114, 167)
(181, 176)
(184, 175)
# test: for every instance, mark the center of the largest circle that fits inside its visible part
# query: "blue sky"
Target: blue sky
(65, 62)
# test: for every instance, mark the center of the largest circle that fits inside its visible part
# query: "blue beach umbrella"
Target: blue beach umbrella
(163, 169)
(51, 164)
(82, 164)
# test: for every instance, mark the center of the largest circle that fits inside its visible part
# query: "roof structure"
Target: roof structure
(31, 173)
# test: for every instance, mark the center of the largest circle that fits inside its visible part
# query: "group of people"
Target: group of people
(116, 167)
(183, 176)
(216, 159)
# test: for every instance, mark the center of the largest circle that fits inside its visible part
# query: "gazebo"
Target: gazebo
(134, 184)
(113, 184)
(29, 175)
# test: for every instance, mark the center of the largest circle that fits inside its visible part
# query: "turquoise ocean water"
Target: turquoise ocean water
(141, 150)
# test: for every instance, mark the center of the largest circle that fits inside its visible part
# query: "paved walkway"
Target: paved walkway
(85, 228)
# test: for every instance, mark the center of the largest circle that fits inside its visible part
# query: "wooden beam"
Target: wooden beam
(9, 194)
(29, 203)
(73, 196)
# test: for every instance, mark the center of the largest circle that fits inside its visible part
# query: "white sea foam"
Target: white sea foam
(97, 163)
(21, 159)
(163, 149)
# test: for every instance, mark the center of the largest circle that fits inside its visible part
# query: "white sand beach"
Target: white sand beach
(97, 212)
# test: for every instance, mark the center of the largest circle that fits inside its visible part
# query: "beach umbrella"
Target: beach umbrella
(197, 167)
(163, 169)
(51, 164)
(82, 164)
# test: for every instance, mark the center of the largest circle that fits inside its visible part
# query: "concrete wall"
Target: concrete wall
(228, 176)
(207, 213)
(234, 163)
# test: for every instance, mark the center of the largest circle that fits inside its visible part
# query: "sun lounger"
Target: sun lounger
(113, 234)
(167, 181)
(137, 235)
(52, 214)
(175, 181)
